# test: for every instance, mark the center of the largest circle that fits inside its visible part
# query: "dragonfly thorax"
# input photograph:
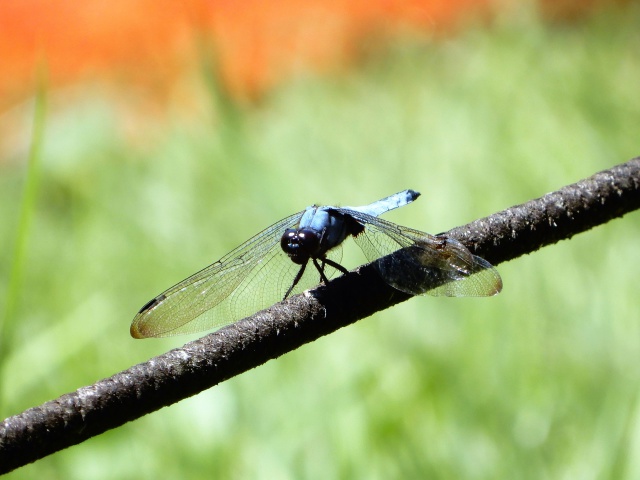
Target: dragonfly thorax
(301, 244)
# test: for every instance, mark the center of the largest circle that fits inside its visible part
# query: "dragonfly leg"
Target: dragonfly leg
(335, 265)
(320, 269)
(296, 280)
(326, 261)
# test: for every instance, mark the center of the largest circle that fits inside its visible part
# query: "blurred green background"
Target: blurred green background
(539, 382)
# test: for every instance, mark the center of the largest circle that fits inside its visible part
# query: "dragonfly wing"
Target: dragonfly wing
(438, 266)
(204, 300)
(445, 268)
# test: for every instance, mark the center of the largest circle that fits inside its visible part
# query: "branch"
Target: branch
(180, 373)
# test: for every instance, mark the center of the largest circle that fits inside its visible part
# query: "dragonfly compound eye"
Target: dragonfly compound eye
(300, 244)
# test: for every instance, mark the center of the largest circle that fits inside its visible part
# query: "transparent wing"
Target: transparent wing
(251, 277)
(438, 266)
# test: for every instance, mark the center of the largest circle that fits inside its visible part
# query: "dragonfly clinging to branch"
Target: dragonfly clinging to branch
(274, 265)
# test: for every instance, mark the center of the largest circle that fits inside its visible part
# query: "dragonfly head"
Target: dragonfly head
(301, 244)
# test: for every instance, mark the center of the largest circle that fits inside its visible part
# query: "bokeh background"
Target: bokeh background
(140, 141)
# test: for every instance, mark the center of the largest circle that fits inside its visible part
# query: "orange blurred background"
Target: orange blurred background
(147, 44)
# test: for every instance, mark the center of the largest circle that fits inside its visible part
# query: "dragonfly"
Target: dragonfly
(304, 250)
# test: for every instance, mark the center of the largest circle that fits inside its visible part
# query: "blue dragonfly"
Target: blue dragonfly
(274, 265)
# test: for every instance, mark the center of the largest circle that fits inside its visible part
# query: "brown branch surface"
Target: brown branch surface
(198, 365)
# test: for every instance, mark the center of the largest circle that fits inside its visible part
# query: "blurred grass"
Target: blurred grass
(26, 212)
(540, 382)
